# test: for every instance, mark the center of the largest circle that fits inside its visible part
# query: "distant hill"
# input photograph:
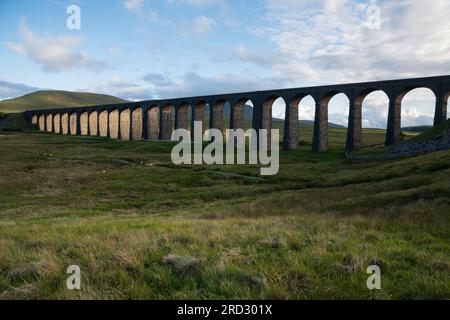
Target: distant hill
(417, 129)
(55, 99)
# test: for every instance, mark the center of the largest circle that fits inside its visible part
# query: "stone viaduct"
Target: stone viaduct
(156, 119)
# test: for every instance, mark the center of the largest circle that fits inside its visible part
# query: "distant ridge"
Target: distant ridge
(53, 99)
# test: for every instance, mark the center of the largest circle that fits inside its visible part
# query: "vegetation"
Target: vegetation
(139, 227)
(55, 99)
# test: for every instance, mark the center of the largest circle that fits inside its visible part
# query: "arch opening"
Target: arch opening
(278, 116)
(374, 108)
(103, 122)
(153, 123)
(49, 123)
(412, 107)
(338, 103)
(73, 124)
(137, 125)
(57, 123)
(217, 114)
(84, 124)
(125, 124)
(65, 123)
(167, 121)
(114, 124)
(93, 123)
(446, 109)
(42, 123)
(338, 111)
(201, 113)
(183, 116)
(306, 110)
(241, 114)
(34, 120)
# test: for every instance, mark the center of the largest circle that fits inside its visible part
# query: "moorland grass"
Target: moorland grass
(142, 228)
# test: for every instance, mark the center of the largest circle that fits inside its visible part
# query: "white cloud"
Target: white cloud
(13, 90)
(140, 9)
(53, 54)
(331, 38)
(156, 86)
(134, 5)
(202, 25)
(328, 42)
(196, 3)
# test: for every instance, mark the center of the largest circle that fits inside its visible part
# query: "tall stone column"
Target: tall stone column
(216, 115)
(393, 134)
(166, 123)
(320, 138)
(78, 126)
(108, 125)
(119, 125)
(88, 131)
(61, 131)
(181, 117)
(198, 113)
(45, 122)
(354, 130)
(440, 113)
(98, 123)
(130, 133)
(290, 141)
(145, 123)
(237, 115)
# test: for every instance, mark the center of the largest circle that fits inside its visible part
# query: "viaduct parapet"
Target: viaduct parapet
(156, 119)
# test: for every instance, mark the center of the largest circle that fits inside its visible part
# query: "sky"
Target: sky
(152, 49)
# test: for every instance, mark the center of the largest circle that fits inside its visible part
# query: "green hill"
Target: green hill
(55, 99)
(418, 129)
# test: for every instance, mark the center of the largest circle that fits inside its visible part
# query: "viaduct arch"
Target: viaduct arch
(156, 119)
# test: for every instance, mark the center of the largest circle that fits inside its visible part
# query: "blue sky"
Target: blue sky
(143, 49)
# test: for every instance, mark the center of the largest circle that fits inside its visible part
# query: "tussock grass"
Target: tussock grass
(141, 228)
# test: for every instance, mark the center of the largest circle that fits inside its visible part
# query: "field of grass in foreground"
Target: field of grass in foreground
(142, 228)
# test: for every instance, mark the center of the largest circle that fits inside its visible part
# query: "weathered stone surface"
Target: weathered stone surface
(137, 124)
(42, 123)
(320, 138)
(84, 124)
(114, 124)
(167, 122)
(183, 117)
(291, 126)
(49, 124)
(104, 124)
(93, 123)
(57, 123)
(65, 123)
(217, 115)
(159, 118)
(73, 124)
(125, 125)
(153, 123)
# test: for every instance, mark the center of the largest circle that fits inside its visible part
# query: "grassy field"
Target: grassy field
(142, 228)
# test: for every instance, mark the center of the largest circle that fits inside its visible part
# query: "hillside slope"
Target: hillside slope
(429, 141)
(55, 99)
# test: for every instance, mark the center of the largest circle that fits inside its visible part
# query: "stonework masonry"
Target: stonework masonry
(156, 119)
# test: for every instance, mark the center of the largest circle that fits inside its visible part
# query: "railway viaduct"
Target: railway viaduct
(156, 119)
